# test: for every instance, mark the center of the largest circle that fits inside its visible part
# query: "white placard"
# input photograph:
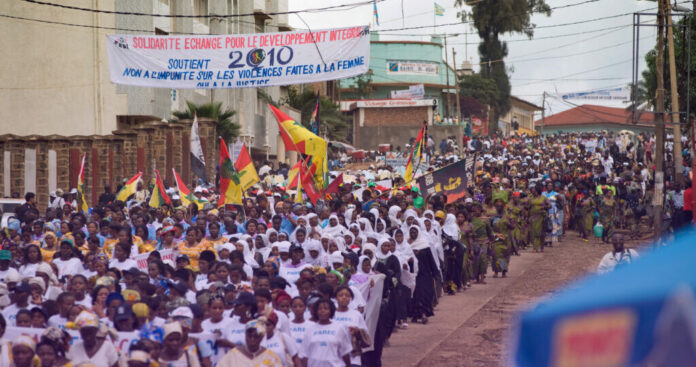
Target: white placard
(412, 68)
(238, 61)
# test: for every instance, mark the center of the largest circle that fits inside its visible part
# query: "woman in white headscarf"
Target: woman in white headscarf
(410, 218)
(315, 254)
(407, 278)
(348, 215)
(424, 293)
(334, 228)
(428, 231)
(454, 254)
(246, 249)
(365, 226)
(394, 212)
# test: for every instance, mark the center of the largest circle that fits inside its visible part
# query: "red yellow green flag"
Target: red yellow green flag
(293, 178)
(230, 183)
(184, 193)
(159, 194)
(415, 155)
(296, 137)
(81, 200)
(246, 170)
(129, 188)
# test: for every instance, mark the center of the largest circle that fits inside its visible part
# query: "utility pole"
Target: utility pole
(676, 120)
(658, 196)
(449, 95)
(543, 112)
(456, 85)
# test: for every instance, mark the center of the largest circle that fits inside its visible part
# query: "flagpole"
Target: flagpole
(304, 162)
(424, 142)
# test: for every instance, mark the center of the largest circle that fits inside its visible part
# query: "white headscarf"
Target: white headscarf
(451, 228)
(336, 230)
(378, 253)
(394, 210)
(421, 242)
(321, 259)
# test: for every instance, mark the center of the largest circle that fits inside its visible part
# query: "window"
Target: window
(260, 24)
(160, 32)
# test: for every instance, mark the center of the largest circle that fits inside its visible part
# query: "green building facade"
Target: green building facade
(396, 65)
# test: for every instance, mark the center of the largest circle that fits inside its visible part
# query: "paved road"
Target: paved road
(470, 328)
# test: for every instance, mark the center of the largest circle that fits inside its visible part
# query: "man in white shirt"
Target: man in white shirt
(619, 256)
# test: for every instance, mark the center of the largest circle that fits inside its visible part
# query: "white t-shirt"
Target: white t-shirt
(211, 327)
(57, 321)
(125, 265)
(234, 333)
(10, 314)
(282, 345)
(28, 270)
(87, 301)
(325, 345)
(106, 356)
(297, 331)
(351, 318)
(68, 267)
(611, 260)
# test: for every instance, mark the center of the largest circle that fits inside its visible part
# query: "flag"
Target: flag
(314, 121)
(129, 188)
(296, 137)
(293, 179)
(197, 157)
(307, 185)
(159, 195)
(319, 168)
(230, 187)
(245, 168)
(440, 11)
(334, 185)
(81, 200)
(184, 193)
(415, 155)
(298, 195)
(375, 12)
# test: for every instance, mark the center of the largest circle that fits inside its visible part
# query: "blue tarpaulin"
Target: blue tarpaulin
(642, 314)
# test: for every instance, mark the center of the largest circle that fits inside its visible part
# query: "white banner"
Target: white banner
(123, 343)
(238, 61)
(615, 94)
(141, 259)
(413, 91)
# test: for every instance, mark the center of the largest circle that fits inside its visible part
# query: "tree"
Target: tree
(331, 119)
(681, 57)
(492, 19)
(225, 127)
(363, 84)
(482, 89)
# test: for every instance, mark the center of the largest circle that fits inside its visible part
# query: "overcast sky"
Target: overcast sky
(604, 59)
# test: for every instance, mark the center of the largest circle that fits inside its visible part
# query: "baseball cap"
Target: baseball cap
(181, 312)
(123, 312)
(5, 255)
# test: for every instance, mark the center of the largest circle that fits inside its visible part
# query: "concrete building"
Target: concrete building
(395, 66)
(55, 79)
(588, 118)
(522, 112)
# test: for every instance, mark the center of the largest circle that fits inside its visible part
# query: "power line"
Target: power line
(326, 8)
(528, 28)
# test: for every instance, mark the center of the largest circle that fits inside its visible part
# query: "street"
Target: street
(470, 328)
